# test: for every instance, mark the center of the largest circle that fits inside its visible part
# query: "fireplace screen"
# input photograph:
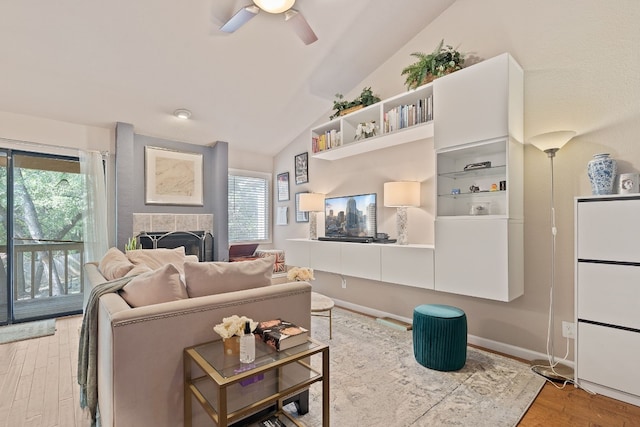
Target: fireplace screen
(198, 243)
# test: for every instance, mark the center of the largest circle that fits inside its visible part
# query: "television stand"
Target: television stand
(347, 239)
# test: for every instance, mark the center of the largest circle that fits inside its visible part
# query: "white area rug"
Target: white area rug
(25, 331)
(376, 381)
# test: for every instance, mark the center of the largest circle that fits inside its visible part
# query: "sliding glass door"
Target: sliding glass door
(5, 288)
(42, 232)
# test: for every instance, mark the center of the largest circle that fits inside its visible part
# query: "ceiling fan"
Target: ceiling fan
(294, 17)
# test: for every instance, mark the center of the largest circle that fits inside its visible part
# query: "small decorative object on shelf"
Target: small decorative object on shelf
(231, 329)
(628, 183)
(443, 60)
(343, 107)
(366, 130)
(602, 173)
(474, 189)
(479, 208)
(247, 345)
(300, 274)
(479, 165)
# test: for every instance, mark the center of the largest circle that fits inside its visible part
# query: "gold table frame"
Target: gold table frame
(225, 378)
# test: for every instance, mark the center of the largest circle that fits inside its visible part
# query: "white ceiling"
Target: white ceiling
(100, 62)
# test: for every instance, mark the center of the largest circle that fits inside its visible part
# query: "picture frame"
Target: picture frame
(173, 177)
(301, 216)
(301, 167)
(282, 183)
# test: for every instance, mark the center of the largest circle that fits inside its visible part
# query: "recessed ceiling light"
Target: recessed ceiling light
(182, 113)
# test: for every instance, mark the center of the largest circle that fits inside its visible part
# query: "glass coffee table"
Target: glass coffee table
(230, 391)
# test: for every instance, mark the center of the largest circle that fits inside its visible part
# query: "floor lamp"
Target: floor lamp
(400, 195)
(550, 143)
(312, 203)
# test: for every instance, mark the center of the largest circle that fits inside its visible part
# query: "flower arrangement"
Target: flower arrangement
(300, 274)
(234, 325)
(366, 130)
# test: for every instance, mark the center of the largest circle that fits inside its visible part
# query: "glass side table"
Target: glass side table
(229, 391)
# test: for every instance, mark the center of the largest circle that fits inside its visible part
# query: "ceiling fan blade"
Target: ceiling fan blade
(240, 18)
(300, 26)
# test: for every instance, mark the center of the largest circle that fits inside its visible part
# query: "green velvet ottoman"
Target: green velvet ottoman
(440, 337)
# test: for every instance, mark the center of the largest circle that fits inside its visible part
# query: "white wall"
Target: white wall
(36, 134)
(581, 73)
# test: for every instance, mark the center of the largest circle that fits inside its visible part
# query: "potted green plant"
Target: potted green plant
(343, 107)
(443, 60)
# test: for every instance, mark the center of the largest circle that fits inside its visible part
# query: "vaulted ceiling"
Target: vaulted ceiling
(101, 62)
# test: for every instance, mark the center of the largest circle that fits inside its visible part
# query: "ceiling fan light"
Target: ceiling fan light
(274, 6)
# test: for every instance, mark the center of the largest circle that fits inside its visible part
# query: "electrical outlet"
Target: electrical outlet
(344, 282)
(569, 330)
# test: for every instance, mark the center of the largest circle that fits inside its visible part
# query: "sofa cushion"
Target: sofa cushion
(114, 264)
(210, 278)
(156, 258)
(155, 287)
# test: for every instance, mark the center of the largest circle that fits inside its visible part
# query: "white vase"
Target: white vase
(602, 173)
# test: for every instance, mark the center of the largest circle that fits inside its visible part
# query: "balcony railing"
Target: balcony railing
(49, 269)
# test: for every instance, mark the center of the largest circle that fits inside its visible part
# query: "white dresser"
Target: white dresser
(607, 295)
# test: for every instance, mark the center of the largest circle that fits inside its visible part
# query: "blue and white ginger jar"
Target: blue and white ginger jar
(602, 173)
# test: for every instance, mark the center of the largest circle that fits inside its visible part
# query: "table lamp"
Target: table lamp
(312, 203)
(402, 194)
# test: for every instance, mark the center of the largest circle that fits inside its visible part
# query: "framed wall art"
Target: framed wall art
(283, 186)
(301, 164)
(172, 177)
(301, 216)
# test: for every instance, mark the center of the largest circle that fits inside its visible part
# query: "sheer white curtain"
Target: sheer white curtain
(94, 219)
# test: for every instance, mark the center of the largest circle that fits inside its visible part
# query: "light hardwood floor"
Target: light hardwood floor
(38, 387)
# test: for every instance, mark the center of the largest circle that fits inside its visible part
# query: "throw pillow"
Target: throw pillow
(210, 278)
(155, 287)
(156, 258)
(114, 264)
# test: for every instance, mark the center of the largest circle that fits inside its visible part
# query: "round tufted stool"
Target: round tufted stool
(440, 337)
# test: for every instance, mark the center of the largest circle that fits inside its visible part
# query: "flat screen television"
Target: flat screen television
(350, 216)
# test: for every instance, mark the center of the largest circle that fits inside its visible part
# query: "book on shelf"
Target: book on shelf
(404, 116)
(272, 421)
(281, 334)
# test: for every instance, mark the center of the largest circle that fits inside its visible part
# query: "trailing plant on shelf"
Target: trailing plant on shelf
(343, 107)
(443, 60)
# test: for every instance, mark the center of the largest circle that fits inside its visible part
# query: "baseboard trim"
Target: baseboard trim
(511, 350)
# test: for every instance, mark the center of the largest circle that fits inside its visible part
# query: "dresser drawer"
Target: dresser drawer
(609, 293)
(604, 230)
(609, 357)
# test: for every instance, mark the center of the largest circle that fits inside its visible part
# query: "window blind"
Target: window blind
(249, 219)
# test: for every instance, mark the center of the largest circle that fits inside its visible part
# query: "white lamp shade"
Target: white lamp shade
(401, 193)
(311, 202)
(274, 6)
(551, 140)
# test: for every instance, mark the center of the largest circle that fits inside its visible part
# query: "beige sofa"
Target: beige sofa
(140, 350)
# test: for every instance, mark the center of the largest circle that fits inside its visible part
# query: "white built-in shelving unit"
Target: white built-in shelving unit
(475, 115)
(416, 106)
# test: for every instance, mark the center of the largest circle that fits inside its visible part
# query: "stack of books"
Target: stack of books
(281, 334)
